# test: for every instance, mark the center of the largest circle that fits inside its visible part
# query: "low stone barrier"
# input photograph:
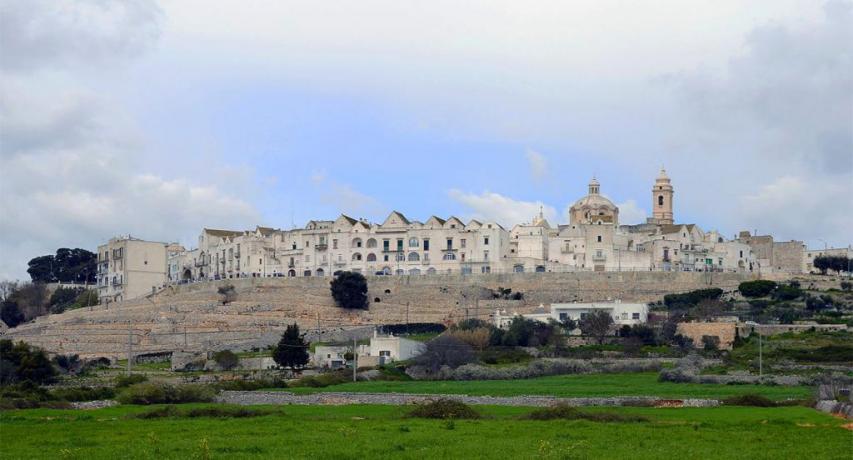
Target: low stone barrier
(250, 398)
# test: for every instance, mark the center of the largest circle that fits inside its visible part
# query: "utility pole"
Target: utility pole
(318, 327)
(760, 356)
(185, 337)
(354, 359)
(407, 318)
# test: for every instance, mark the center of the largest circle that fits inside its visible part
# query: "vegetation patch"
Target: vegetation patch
(750, 400)
(207, 411)
(566, 412)
(444, 409)
(159, 393)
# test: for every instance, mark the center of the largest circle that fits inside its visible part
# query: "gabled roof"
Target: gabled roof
(675, 228)
(348, 219)
(395, 218)
(266, 231)
(453, 220)
(436, 220)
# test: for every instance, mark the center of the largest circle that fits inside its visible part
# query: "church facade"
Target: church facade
(593, 240)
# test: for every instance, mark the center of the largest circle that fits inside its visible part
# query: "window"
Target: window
(385, 353)
(386, 245)
(293, 246)
(486, 241)
(426, 245)
(356, 242)
(485, 255)
(635, 316)
(599, 238)
(371, 257)
(385, 258)
(449, 256)
(486, 269)
(307, 258)
(401, 257)
(371, 243)
(334, 244)
(463, 242)
(414, 257)
(413, 242)
(660, 201)
(598, 253)
(399, 244)
(322, 240)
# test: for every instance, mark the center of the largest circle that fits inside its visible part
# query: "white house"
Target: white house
(334, 356)
(622, 313)
(389, 348)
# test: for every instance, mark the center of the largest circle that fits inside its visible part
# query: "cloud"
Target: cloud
(788, 202)
(344, 198)
(74, 169)
(538, 165)
(501, 209)
(631, 213)
(61, 33)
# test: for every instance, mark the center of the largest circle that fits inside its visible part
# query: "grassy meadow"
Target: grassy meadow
(571, 386)
(320, 432)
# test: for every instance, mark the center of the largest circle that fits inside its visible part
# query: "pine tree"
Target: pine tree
(292, 349)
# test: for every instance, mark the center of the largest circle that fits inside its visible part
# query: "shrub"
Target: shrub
(757, 288)
(751, 400)
(207, 412)
(323, 380)
(124, 381)
(158, 393)
(691, 298)
(477, 338)
(23, 363)
(445, 350)
(597, 324)
(349, 289)
(846, 285)
(10, 313)
(250, 385)
(566, 412)
(504, 355)
(788, 292)
(83, 394)
(226, 359)
(444, 409)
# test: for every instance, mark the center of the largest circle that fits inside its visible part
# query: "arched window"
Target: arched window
(356, 256)
(518, 269)
(414, 257)
(306, 273)
(415, 271)
(431, 271)
(320, 272)
(400, 257)
(449, 256)
(371, 243)
(371, 257)
(400, 272)
(413, 242)
(356, 242)
(660, 200)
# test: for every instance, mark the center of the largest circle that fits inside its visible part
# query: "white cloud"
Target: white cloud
(501, 209)
(538, 165)
(794, 207)
(344, 198)
(631, 213)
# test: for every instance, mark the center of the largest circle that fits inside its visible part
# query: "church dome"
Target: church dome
(594, 208)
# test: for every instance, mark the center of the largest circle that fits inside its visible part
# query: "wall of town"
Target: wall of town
(192, 317)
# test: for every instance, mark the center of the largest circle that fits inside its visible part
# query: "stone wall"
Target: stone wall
(192, 317)
(724, 331)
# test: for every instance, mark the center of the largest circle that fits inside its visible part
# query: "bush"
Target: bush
(250, 385)
(566, 412)
(349, 289)
(23, 363)
(477, 338)
(159, 393)
(445, 350)
(124, 381)
(444, 409)
(83, 394)
(226, 359)
(788, 292)
(504, 355)
(750, 400)
(323, 380)
(691, 298)
(757, 288)
(207, 412)
(228, 293)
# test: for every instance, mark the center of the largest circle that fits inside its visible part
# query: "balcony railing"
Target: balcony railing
(599, 258)
(321, 247)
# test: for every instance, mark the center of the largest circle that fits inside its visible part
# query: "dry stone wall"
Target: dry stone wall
(192, 317)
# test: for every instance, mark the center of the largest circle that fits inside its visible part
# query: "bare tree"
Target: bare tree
(597, 324)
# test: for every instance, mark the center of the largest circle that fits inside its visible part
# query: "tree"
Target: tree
(445, 350)
(757, 288)
(835, 263)
(22, 363)
(62, 298)
(349, 289)
(597, 324)
(520, 332)
(292, 349)
(228, 293)
(67, 266)
(226, 359)
(710, 342)
(10, 314)
(708, 309)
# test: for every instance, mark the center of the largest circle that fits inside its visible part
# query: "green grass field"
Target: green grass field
(320, 432)
(571, 386)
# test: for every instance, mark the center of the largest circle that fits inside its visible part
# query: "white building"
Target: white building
(129, 268)
(390, 348)
(624, 314)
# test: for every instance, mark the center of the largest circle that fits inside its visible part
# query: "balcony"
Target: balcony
(321, 247)
(599, 258)
(200, 263)
(449, 250)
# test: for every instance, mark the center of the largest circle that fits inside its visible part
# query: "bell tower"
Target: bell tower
(662, 194)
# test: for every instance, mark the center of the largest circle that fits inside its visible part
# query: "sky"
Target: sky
(160, 118)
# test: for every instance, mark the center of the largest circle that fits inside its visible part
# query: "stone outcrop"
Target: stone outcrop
(193, 318)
